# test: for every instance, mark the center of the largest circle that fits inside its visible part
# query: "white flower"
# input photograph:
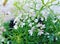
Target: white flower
(31, 10)
(28, 20)
(33, 28)
(31, 5)
(43, 26)
(30, 32)
(24, 20)
(42, 19)
(8, 42)
(45, 1)
(32, 17)
(54, 21)
(46, 33)
(48, 36)
(29, 15)
(36, 20)
(2, 40)
(26, 17)
(22, 24)
(16, 20)
(56, 38)
(40, 32)
(38, 25)
(38, 5)
(58, 17)
(30, 24)
(15, 26)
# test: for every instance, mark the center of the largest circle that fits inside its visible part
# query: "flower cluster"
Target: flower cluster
(31, 21)
(31, 27)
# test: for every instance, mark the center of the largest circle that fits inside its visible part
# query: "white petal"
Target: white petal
(42, 19)
(30, 24)
(54, 21)
(23, 24)
(15, 27)
(36, 20)
(30, 32)
(46, 33)
(40, 32)
(38, 25)
(43, 26)
(32, 28)
(28, 20)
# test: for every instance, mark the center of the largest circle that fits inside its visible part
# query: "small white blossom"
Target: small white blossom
(42, 19)
(30, 32)
(8, 42)
(43, 26)
(31, 5)
(31, 10)
(38, 25)
(48, 36)
(32, 17)
(26, 17)
(40, 32)
(38, 5)
(36, 20)
(58, 17)
(46, 33)
(15, 27)
(28, 20)
(2, 40)
(21, 18)
(30, 24)
(16, 20)
(24, 20)
(33, 28)
(54, 21)
(56, 38)
(45, 1)
(22, 24)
